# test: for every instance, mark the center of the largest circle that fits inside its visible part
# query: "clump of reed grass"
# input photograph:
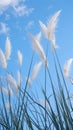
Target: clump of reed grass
(20, 108)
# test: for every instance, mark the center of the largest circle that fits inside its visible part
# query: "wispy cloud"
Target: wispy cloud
(29, 25)
(4, 4)
(19, 7)
(50, 7)
(22, 10)
(3, 28)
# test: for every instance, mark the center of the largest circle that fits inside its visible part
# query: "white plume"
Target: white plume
(42, 102)
(7, 105)
(11, 81)
(38, 48)
(29, 82)
(44, 29)
(8, 48)
(3, 60)
(20, 58)
(49, 30)
(38, 36)
(67, 67)
(5, 90)
(19, 78)
(36, 70)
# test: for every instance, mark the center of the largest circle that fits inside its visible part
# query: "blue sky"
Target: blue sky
(18, 18)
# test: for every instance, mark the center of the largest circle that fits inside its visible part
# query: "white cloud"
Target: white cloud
(4, 4)
(22, 10)
(3, 28)
(29, 25)
(16, 6)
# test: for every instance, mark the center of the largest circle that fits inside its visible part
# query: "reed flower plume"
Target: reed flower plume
(38, 48)
(11, 81)
(49, 30)
(10, 91)
(36, 70)
(7, 90)
(20, 58)
(38, 36)
(8, 48)
(7, 105)
(28, 80)
(19, 78)
(3, 60)
(42, 102)
(67, 67)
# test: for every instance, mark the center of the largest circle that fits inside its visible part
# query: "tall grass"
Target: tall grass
(25, 110)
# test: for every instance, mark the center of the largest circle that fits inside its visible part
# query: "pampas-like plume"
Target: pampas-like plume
(38, 36)
(10, 91)
(42, 102)
(38, 48)
(8, 48)
(7, 105)
(29, 82)
(11, 81)
(7, 90)
(19, 78)
(19, 57)
(49, 30)
(3, 60)
(36, 70)
(67, 67)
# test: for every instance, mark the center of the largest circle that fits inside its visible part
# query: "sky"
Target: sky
(18, 18)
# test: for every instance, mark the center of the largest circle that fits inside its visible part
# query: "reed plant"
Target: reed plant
(21, 109)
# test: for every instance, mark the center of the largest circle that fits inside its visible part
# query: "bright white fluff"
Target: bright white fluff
(8, 48)
(19, 78)
(10, 91)
(20, 58)
(67, 67)
(36, 70)
(7, 105)
(7, 90)
(11, 81)
(49, 30)
(29, 82)
(38, 36)
(3, 60)
(38, 48)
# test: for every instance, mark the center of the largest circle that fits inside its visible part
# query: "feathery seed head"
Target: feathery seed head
(67, 67)
(49, 30)
(3, 60)
(36, 70)
(8, 48)
(29, 82)
(20, 58)
(42, 102)
(38, 49)
(19, 78)
(11, 81)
